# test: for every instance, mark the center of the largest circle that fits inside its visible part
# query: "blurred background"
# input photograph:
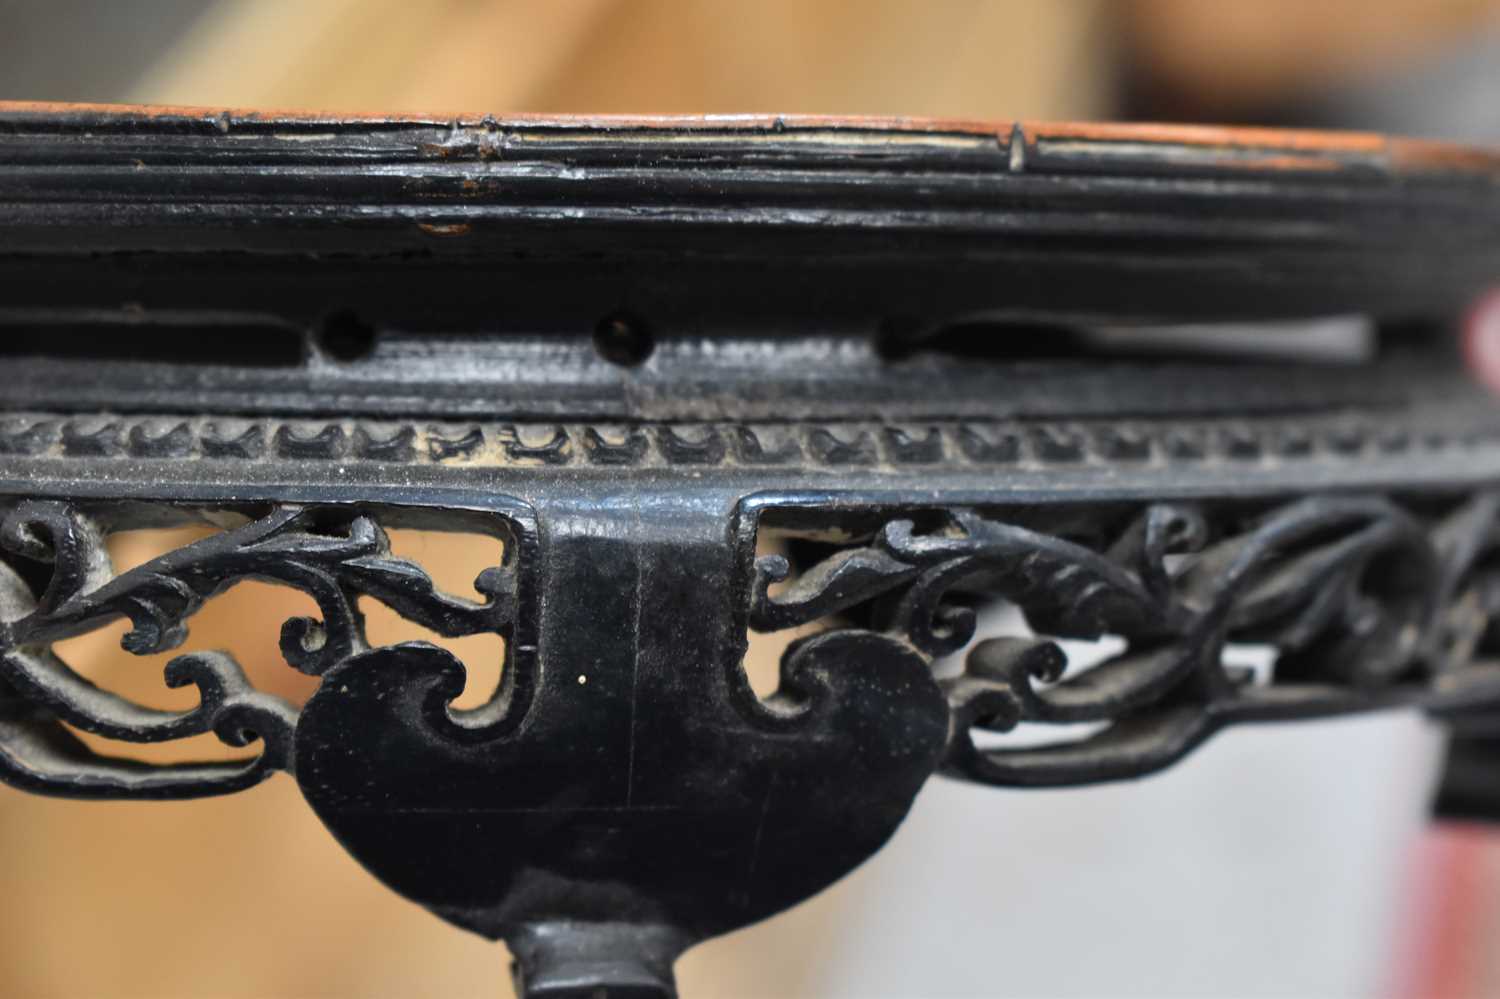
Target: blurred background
(1287, 862)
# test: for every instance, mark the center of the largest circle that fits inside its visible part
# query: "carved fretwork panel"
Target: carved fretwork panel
(56, 582)
(1366, 602)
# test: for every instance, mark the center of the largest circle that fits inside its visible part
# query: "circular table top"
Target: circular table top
(852, 218)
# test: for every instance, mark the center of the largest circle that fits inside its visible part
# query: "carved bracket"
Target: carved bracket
(628, 792)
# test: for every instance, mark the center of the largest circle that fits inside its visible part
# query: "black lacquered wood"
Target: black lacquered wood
(710, 378)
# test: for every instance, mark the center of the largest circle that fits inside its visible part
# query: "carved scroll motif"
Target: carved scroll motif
(1365, 603)
(333, 555)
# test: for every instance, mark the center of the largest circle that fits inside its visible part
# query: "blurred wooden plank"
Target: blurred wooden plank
(1232, 55)
(360, 54)
(965, 58)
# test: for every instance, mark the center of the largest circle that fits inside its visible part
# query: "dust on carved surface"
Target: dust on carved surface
(57, 582)
(1364, 603)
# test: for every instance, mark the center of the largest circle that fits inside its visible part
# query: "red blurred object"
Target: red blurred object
(1481, 340)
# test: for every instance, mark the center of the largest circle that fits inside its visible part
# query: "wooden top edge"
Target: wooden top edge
(1259, 149)
(653, 122)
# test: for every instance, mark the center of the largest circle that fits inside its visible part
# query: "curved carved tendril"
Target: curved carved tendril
(332, 557)
(1363, 602)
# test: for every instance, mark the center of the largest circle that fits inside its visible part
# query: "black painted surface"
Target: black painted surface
(633, 352)
(646, 791)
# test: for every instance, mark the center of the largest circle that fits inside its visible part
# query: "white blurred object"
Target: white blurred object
(1271, 862)
(1329, 340)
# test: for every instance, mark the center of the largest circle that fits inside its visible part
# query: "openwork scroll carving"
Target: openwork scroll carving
(1366, 602)
(56, 581)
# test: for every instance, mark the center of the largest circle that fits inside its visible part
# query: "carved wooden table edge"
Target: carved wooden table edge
(709, 377)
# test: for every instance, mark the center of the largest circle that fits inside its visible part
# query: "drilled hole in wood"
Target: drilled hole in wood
(622, 339)
(345, 337)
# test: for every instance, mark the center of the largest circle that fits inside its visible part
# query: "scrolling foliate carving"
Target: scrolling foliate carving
(625, 794)
(333, 554)
(1364, 602)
